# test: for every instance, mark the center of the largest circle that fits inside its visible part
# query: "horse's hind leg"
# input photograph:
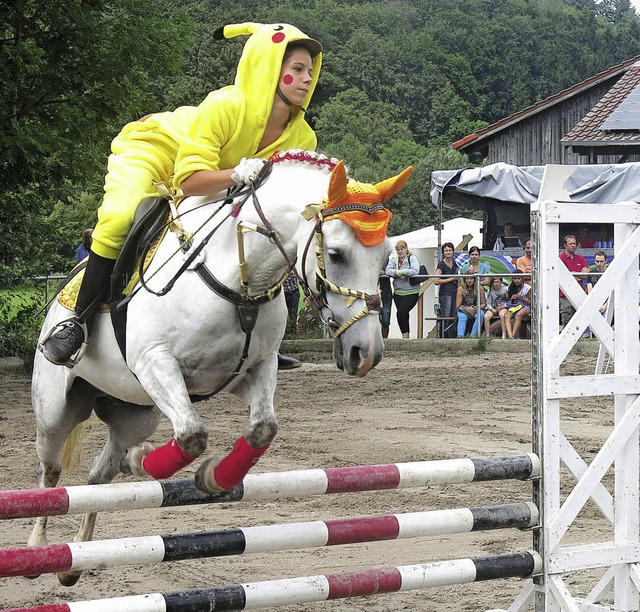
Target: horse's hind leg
(127, 426)
(57, 414)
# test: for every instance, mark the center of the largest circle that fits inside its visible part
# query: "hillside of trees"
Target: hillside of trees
(401, 80)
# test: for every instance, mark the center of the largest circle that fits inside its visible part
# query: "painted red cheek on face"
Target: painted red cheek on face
(287, 79)
(278, 37)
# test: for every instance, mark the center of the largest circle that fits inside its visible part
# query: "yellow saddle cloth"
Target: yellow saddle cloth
(68, 295)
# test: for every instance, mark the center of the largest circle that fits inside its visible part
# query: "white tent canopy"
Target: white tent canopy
(454, 230)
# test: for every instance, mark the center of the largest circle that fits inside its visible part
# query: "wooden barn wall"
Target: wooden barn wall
(535, 141)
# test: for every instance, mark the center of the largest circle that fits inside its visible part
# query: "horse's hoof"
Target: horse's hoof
(131, 462)
(204, 479)
(69, 579)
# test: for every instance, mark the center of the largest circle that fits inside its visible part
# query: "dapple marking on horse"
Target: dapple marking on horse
(188, 342)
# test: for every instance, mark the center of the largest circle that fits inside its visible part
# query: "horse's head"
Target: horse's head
(351, 249)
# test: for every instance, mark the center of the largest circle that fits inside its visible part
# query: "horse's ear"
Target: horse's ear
(337, 185)
(391, 186)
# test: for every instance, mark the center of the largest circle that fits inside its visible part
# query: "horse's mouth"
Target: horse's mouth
(356, 362)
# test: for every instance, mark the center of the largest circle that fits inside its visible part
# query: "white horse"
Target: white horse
(190, 341)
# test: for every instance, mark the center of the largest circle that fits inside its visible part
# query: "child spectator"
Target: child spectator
(518, 306)
(496, 299)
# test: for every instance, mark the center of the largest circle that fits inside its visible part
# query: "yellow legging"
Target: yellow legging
(141, 154)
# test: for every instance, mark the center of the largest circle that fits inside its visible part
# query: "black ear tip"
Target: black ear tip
(218, 34)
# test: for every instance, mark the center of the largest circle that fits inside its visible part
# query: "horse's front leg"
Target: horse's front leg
(160, 375)
(257, 387)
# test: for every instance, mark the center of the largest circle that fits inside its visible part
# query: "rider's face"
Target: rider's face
(295, 76)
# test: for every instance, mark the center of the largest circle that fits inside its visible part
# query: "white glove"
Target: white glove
(246, 172)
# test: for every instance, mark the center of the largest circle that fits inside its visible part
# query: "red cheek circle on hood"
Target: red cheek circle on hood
(287, 79)
(278, 37)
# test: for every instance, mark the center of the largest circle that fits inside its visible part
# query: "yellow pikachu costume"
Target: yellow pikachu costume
(216, 135)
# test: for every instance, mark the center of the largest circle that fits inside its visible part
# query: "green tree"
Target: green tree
(73, 72)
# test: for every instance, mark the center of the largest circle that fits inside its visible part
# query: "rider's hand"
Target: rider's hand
(246, 172)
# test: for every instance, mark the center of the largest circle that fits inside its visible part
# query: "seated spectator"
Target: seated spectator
(473, 265)
(496, 300)
(467, 304)
(585, 241)
(523, 264)
(518, 306)
(606, 240)
(507, 232)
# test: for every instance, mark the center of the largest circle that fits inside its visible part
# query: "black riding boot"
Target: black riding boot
(66, 339)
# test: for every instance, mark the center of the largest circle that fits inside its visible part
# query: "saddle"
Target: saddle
(149, 224)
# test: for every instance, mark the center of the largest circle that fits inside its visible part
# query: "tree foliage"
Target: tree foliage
(400, 81)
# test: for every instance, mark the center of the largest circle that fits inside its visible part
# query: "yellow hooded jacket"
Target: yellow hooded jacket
(216, 135)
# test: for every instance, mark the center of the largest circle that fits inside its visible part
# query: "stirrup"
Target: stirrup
(77, 356)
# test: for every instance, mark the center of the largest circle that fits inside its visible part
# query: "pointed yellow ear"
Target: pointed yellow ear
(389, 187)
(337, 185)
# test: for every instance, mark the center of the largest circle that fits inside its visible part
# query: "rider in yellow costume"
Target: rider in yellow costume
(209, 148)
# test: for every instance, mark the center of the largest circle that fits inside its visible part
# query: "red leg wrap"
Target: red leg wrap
(166, 460)
(234, 467)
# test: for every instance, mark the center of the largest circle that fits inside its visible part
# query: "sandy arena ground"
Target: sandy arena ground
(440, 404)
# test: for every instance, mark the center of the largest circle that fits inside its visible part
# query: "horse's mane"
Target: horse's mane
(318, 160)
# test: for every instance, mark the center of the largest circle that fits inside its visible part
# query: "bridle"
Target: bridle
(372, 303)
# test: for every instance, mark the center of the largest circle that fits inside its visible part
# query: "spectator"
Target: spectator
(523, 264)
(600, 259)
(507, 232)
(308, 324)
(583, 237)
(85, 246)
(474, 266)
(467, 305)
(606, 241)
(401, 267)
(518, 306)
(447, 290)
(574, 263)
(386, 299)
(496, 300)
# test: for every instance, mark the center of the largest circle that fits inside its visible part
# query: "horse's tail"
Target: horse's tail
(72, 449)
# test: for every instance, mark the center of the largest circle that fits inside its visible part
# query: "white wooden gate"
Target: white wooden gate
(585, 569)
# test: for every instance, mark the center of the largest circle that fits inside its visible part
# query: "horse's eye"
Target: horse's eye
(336, 256)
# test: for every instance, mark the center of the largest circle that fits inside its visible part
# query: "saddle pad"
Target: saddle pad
(68, 295)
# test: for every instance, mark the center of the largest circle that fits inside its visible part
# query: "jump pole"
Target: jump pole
(251, 596)
(78, 556)
(28, 503)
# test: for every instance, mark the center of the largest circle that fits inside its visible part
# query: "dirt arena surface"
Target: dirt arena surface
(444, 403)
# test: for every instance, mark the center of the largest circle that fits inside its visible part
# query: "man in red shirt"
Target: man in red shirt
(574, 263)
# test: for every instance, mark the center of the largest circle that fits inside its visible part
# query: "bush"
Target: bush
(19, 324)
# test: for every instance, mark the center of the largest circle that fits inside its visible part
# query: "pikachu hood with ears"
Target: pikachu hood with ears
(231, 120)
